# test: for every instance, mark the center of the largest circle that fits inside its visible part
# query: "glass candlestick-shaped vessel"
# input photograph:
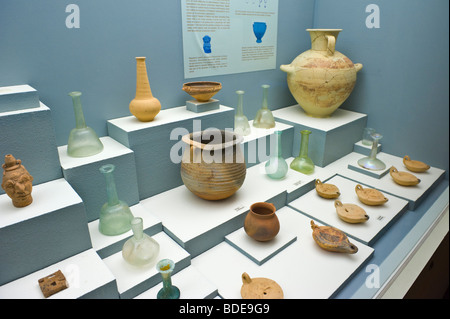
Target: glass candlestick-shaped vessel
(83, 141)
(302, 163)
(264, 117)
(115, 215)
(140, 250)
(168, 291)
(241, 125)
(276, 166)
(372, 162)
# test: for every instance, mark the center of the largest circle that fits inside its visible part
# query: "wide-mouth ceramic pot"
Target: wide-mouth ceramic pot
(213, 165)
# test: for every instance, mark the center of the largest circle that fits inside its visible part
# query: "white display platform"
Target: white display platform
(18, 97)
(323, 210)
(303, 269)
(199, 107)
(374, 173)
(31, 237)
(29, 135)
(130, 124)
(414, 194)
(85, 272)
(198, 224)
(132, 281)
(191, 283)
(259, 252)
(84, 175)
(108, 245)
(331, 137)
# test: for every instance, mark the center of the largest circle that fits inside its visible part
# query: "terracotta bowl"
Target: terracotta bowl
(202, 91)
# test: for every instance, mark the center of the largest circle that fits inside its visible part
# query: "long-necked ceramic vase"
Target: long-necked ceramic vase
(144, 106)
(322, 78)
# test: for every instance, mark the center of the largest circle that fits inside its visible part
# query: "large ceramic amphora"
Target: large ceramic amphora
(321, 79)
(213, 165)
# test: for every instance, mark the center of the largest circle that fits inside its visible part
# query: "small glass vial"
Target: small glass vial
(140, 250)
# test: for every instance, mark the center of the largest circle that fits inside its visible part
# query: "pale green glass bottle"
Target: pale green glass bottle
(372, 162)
(83, 141)
(276, 166)
(115, 215)
(241, 125)
(140, 250)
(168, 291)
(302, 163)
(264, 117)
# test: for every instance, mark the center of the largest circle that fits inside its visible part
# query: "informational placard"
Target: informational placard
(228, 36)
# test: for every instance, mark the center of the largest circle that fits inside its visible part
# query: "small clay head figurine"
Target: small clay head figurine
(17, 182)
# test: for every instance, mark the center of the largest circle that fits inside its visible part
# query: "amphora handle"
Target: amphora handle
(331, 44)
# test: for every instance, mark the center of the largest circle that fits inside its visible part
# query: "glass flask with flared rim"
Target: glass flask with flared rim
(302, 163)
(115, 215)
(264, 117)
(140, 250)
(276, 167)
(83, 141)
(168, 291)
(241, 125)
(371, 162)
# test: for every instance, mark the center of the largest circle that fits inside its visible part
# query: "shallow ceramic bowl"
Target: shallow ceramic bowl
(202, 91)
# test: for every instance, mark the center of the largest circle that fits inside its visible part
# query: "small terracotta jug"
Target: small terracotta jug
(17, 182)
(144, 106)
(261, 223)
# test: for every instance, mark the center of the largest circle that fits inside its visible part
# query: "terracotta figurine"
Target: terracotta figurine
(17, 182)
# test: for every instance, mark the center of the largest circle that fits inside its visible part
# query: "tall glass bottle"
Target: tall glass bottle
(83, 141)
(264, 117)
(276, 166)
(372, 162)
(115, 215)
(302, 163)
(241, 125)
(168, 291)
(140, 250)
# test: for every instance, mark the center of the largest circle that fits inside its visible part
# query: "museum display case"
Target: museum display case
(208, 228)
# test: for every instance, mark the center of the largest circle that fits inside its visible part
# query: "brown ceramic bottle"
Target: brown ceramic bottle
(261, 222)
(144, 106)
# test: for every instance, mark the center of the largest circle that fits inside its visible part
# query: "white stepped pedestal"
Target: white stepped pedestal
(155, 143)
(84, 175)
(87, 276)
(323, 210)
(303, 269)
(331, 137)
(198, 224)
(132, 281)
(18, 97)
(108, 245)
(260, 252)
(258, 145)
(28, 135)
(53, 227)
(413, 194)
(191, 283)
